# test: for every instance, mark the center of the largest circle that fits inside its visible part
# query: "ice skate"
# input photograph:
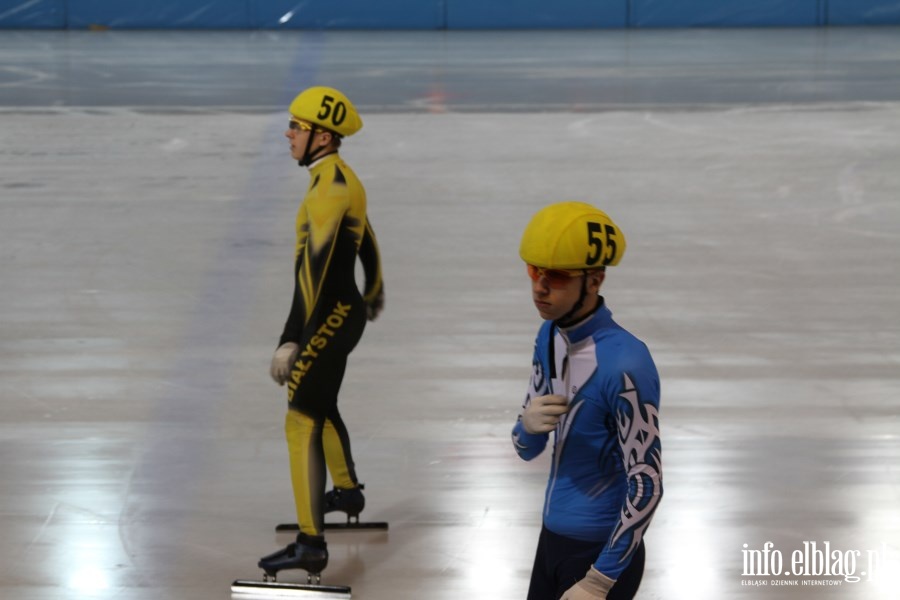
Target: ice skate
(349, 501)
(246, 588)
(308, 553)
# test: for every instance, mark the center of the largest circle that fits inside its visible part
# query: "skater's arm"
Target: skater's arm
(319, 231)
(636, 405)
(540, 411)
(527, 445)
(371, 261)
(286, 353)
(293, 326)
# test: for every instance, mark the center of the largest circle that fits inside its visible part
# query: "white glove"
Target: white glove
(594, 586)
(543, 413)
(282, 361)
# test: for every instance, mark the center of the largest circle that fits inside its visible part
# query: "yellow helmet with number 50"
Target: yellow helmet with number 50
(572, 235)
(328, 108)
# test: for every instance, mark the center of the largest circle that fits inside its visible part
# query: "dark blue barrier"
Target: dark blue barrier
(863, 12)
(725, 13)
(346, 14)
(157, 14)
(42, 14)
(441, 14)
(535, 14)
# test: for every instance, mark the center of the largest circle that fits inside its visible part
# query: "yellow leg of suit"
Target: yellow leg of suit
(337, 455)
(304, 441)
(311, 444)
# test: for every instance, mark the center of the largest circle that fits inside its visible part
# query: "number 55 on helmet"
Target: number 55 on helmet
(572, 235)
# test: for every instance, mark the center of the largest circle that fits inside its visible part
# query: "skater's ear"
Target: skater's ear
(595, 278)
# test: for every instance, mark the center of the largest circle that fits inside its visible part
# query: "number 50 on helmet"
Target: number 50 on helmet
(572, 235)
(327, 108)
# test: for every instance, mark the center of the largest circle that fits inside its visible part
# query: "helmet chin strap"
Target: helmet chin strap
(566, 320)
(311, 157)
(563, 322)
(307, 158)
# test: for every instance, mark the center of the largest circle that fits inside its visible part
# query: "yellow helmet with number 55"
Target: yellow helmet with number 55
(328, 108)
(572, 235)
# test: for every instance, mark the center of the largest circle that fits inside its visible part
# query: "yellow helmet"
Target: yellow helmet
(572, 235)
(328, 108)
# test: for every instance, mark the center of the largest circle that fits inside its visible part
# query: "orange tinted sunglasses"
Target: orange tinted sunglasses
(556, 278)
(297, 124)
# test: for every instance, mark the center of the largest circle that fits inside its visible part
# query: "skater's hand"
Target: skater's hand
(542, 413)
(594, 586)
(282, 361)
(374, 308)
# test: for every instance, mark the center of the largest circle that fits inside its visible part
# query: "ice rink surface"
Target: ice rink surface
(147, 206)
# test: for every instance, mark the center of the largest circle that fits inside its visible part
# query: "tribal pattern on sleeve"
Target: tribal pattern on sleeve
(638, 428)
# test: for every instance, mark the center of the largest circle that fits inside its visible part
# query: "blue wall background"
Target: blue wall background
(441, 14)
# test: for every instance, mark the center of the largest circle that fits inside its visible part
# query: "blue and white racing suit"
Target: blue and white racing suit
(606, 477)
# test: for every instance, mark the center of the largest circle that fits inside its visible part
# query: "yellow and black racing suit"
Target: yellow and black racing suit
(327, 318)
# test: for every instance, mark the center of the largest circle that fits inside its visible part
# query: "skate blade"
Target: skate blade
(370, 525)
(243, 588)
